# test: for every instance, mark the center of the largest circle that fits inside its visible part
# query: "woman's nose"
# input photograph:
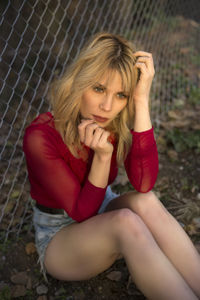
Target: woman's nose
(107, 102)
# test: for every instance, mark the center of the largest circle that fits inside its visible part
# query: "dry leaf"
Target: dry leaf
(114, 275)
(30, 248)
(191, 229)
(15, 194)
(9, 206)
(185, 50)
(174, 115)
(196, 126)
(173, 155)
(177, 123)
(19, 278)
(129, 282)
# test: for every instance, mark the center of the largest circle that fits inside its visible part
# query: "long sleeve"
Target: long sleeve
(141, 163)
(53, 181)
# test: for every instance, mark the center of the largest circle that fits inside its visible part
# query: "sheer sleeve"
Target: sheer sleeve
(52, 177)
(141, 163)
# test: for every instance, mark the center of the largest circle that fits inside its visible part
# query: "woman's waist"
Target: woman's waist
(50, 210)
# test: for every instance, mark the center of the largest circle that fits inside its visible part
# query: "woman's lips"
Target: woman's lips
(100, 119)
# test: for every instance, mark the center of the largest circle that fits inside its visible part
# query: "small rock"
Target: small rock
(198, 196)
(30, 248)
(196, 222)
(43, 297)
(114, 275)
(19, 278)
(18, 291)
(42, 289)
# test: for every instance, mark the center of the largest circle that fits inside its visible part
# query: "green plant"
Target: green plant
(30, 295)
(185, 184)
(182, 141)
(194, 96)
(4, 246)
(5, 293)
(195, 59)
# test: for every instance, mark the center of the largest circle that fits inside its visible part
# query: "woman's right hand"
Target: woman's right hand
(95, 137)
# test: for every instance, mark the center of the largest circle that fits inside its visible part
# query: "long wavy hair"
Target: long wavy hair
(105, 51)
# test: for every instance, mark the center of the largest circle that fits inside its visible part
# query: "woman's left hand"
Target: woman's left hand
(146, 66)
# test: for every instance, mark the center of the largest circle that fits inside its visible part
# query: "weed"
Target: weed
(182, 141)
(195, 59)
(30, 295)
(194, 96)
(5, 246)
(185, 184)
(5, 293)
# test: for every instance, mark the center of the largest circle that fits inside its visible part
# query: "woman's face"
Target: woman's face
(104, 100)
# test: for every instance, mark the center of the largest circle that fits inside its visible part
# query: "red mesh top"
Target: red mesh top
(60, 180)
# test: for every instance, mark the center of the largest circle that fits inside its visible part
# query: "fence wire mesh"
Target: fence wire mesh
(38, 40)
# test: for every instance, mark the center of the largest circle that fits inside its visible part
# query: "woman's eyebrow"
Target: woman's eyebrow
(124, 92)
(118, 92)
(100, 84)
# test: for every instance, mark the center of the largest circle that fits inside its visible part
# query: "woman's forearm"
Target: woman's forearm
(142, 120)
(100, 169)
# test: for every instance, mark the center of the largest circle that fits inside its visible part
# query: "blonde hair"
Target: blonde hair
(117, 54)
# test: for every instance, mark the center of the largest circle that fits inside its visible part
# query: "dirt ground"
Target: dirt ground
(177, 187)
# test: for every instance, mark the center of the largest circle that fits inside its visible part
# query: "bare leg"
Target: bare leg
(167, 232)
(81, 251)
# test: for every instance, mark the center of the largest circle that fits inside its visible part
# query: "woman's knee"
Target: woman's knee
(125, 222)
(148, 204)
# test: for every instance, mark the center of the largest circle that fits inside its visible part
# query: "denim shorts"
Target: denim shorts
(47, 225)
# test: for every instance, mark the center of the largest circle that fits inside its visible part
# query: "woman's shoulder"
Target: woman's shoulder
(43, 122)
(42, 127)
(43, 119)
(41, 134)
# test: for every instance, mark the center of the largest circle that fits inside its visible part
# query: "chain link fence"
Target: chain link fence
(38, 40)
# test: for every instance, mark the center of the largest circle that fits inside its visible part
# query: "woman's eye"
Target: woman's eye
(98, 89)
(122, 96)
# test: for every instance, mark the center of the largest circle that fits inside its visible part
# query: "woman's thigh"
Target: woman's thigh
(83, 250)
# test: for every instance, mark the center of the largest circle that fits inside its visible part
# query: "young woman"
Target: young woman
(100, 119)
